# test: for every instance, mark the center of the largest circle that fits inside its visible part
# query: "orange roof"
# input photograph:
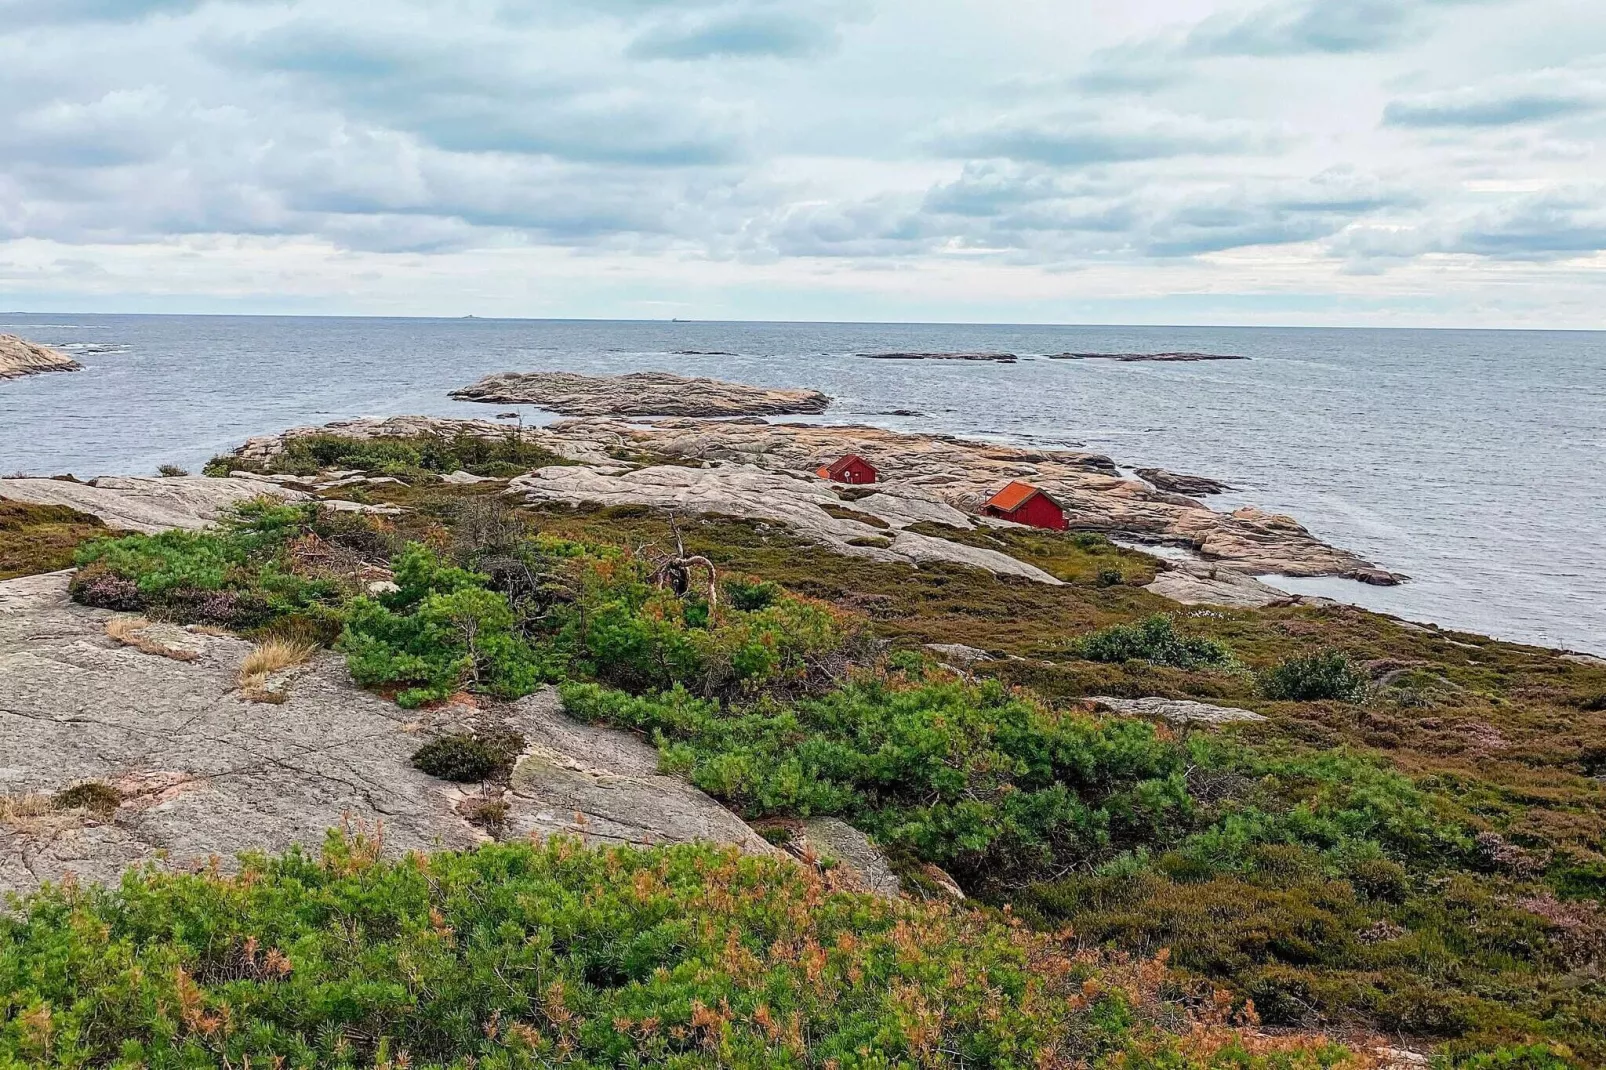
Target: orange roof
(1014, 496)
(824, 471)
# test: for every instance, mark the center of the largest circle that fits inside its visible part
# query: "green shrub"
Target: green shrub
(1109, 577)
(238, 575)
(1154, 640)
(971, 777)
(750, 596)
(1327, 675)
(469, 758)
(403, 455)
(91, 795)
(521, 956)
(441, 631)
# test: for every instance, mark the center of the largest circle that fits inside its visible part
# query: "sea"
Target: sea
(1473, 461)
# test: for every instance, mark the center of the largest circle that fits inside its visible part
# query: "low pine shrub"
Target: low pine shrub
(974, 778)
(1156, 641)
(238, 575)
(518, 956)
(1327, 675)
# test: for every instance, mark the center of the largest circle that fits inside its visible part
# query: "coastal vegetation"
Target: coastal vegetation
(408, 457)
(519, 956)
(1410, 843)
(41, 538)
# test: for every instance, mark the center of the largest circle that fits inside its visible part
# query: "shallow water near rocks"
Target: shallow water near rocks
(1474, 461)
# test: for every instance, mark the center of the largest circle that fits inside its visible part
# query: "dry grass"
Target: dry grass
(130, 631)
(269, 657)
(32, 815)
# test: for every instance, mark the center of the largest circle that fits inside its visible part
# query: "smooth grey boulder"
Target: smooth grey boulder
(603, 785)
(860, 860)
(1178, 711)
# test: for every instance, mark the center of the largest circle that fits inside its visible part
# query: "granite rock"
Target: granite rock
(19, 357)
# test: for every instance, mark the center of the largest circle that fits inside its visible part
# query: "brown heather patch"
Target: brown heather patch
(42, 538)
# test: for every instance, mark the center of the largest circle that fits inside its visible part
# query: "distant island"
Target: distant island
(1178, 358)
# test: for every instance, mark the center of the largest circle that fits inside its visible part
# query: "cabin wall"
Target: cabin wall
(1039, 512)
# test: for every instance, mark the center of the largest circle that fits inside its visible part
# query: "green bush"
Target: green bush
(1154, 640)
(469, 758)
(402, 456)
(520, 956)
(971, 777)
(440, 632)
(238, 575)
(1327, 675)
(749, 596)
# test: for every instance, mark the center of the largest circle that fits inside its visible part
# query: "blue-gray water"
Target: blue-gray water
(1472, 460)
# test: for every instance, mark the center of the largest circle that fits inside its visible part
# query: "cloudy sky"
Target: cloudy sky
(1408, 162)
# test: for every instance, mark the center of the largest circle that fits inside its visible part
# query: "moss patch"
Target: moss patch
(42, 538)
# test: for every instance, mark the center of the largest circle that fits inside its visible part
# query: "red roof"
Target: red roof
(845, 462)
(1014, 496)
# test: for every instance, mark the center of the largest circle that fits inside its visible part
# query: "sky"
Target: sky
(1433, 163)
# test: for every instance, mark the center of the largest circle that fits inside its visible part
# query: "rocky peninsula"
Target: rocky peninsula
(953, 473)
(640, 394)
(19, 357)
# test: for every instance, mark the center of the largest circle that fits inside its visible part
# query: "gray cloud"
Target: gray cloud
(1499, 105)
(1078, 139)
(1549, 226)
(478, 94)
(1304, 27)
(737, 33)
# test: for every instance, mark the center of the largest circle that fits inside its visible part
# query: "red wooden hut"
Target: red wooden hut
(849, 468)
(1023, 503)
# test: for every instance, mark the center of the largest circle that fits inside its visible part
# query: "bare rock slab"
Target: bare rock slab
(203, 772)
(603, 785)
(147, 505)
(1178, 711)
(640, 394)
(798, 502)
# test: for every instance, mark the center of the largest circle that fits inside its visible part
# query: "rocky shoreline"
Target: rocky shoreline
(640, 394)
(19, 357)
(954, 473)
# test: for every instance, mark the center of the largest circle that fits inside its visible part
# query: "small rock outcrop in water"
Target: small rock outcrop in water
(1193, 486)
(1162, 358)
(640, 394)
(19, 357)
(1000, 358)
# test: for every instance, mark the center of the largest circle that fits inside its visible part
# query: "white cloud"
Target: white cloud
(810, 144)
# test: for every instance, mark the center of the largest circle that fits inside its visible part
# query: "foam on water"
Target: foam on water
(1471, 460)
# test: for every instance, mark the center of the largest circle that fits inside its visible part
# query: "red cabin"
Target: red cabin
(1023, 503)
(850, 468)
